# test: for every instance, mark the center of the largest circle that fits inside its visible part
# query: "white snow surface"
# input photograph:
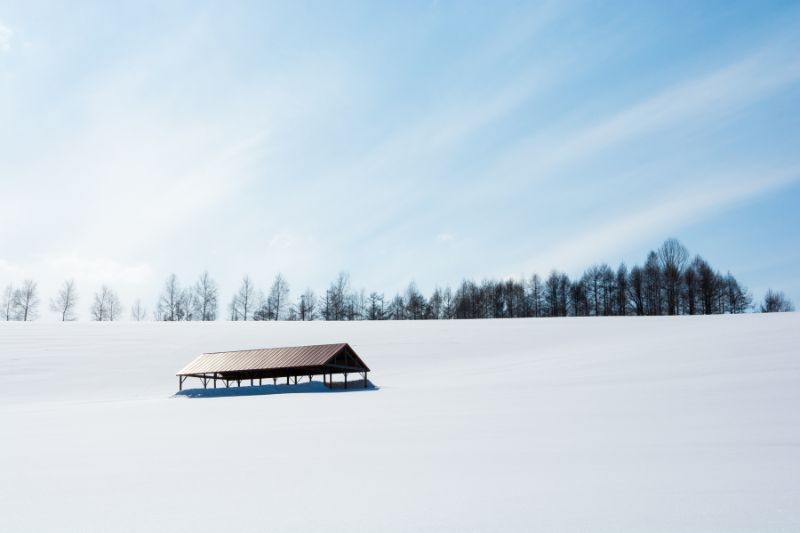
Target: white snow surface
(588, 424)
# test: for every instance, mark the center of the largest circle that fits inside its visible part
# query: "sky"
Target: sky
(409, 141)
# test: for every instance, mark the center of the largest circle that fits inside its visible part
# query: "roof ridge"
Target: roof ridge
(278, 348)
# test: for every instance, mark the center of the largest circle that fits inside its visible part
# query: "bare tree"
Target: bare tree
(106, 305)
(138, 312)
(357, 305)
(170, 302)
(306, 307)
(536, 296)
(375, 309)
(397, 308)
(653, 281)
(278, 297)
(205, 298)
(738, 298)
(263, 310)
(415, 303)
(114, 306)
(26, 301)
(673, 257)
(433, 310)
(98, 310)
(556, 292)
(707, 284)
(244, 300)
(65, 302)
(7, 304)
(467, 301)
(636, 290)
(337, 296)
(591, 281)
(448, 304)
(776, 302)
(579, 299)
(621, 287)
(690, 290)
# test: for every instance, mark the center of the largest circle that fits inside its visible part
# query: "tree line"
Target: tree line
(669, 282)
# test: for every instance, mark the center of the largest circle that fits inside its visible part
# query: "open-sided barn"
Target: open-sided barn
(291, 362)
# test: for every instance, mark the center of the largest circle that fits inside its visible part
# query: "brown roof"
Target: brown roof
(265, 358)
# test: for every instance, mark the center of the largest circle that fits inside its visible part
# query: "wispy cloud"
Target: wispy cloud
(681, 208)
(412, 157)
(6, 34)
(699, 100)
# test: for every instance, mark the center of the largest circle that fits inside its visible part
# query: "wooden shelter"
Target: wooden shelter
(292, 362)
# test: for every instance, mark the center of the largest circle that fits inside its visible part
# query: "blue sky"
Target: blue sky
(420, 141)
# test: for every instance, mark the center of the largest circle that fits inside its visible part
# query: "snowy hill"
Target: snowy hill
(619, 424)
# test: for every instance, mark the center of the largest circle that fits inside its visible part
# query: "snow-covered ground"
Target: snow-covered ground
(619, 424)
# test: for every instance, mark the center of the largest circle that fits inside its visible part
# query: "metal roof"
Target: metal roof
(265, 358)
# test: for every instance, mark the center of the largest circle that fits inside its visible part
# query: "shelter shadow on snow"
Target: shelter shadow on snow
(263, 390)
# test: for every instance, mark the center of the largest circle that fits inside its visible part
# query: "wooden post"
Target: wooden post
(365, 380)
(215, 381)
(180, 383)
(345, 380)
(259, 382)
(274, 381)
